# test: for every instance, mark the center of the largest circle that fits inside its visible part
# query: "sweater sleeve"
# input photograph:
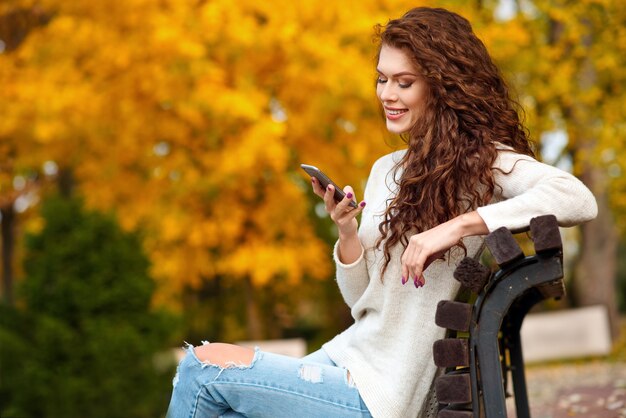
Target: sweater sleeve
(353, 278)
(526, 188)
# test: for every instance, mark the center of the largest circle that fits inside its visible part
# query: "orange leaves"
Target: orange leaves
(262, 261)
(259, 148)
(190, 119)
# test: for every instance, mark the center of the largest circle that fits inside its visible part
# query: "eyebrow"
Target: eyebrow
(400, 74)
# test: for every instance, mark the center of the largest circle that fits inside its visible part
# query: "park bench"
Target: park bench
(483, 340)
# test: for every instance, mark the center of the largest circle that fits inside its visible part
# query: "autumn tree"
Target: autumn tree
(190, 119)
(17, 184)
(568, 66)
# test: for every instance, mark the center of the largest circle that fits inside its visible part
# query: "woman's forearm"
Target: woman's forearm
(471, 223)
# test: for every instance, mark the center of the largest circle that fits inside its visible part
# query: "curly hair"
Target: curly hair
(447, 168)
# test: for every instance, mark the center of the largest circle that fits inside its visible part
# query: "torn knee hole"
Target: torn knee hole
(224, 355)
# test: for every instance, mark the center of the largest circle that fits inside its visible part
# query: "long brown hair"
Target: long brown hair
(447, 168)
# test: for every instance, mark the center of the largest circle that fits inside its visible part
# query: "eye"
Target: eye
(405, 85)
(381, 80)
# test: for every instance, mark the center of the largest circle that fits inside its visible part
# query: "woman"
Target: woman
(468, 169)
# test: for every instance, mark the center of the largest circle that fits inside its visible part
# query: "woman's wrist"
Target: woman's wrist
(349, 248)
(347, 236)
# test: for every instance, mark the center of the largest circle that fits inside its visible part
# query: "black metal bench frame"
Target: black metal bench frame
(494, 343)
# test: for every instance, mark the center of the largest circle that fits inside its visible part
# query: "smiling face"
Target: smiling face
(400, 88)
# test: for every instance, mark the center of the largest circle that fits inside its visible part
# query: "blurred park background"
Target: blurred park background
(150, 189)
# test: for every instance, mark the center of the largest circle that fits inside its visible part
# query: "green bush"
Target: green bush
(84, 339)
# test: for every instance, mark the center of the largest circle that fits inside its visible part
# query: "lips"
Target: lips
(394, 114)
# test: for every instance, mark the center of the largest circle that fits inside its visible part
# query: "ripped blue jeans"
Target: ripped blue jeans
(272, 386)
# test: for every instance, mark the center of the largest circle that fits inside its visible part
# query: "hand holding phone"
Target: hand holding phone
(325, 181)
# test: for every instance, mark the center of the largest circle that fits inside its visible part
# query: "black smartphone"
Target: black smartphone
(325, 181)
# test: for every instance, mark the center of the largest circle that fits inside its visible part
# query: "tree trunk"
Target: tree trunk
(253, 314)
(66, 182)
(8, 244)
(596, 270)
(596, 273)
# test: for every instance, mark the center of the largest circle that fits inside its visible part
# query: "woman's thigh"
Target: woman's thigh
(271, 385)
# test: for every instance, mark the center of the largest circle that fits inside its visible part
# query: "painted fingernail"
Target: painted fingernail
(329, 187)
(417, 281)
(349, 195)
(363, 204)
(404, 280)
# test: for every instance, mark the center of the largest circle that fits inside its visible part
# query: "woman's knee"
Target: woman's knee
(224, 355)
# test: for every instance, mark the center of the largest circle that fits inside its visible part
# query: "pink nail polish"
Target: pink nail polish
(416, 283)
(362, 204)
(404, 280)
(349, 195)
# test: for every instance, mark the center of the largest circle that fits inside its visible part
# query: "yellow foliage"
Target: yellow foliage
(190, 119)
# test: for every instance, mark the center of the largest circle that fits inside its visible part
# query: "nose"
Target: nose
(386, 92)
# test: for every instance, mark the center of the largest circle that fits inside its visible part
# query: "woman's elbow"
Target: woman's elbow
(591, 206)
(576, 203)
(583, 208)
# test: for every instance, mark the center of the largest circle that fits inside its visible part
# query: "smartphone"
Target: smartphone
(325, 181)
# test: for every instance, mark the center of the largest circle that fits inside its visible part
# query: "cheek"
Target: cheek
(416, 110)
(416, 100)
(417, 103)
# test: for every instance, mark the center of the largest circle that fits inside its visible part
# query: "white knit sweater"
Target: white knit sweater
(388, 349)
